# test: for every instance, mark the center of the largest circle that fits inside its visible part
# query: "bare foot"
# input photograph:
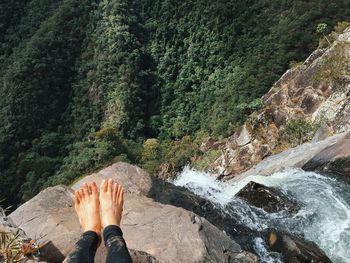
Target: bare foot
(112, 200)
(87, 206)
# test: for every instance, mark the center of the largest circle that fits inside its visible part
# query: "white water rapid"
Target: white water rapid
(324, 217)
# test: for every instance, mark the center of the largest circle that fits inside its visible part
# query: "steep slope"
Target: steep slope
(37, 59)
(84, 83)
(313, 94)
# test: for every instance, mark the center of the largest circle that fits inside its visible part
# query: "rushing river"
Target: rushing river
(324, 217)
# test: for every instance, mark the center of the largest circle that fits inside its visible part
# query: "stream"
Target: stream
(324, 217)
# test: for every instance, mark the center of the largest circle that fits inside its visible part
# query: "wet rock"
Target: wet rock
(333, 159)
(295, 249)
(269, 199)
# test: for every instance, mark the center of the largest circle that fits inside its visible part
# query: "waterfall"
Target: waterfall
(324, 217)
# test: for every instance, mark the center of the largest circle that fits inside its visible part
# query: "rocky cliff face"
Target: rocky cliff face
(311, 156)
(317, 93)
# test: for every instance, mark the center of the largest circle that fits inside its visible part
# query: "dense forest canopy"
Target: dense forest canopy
(84, 83)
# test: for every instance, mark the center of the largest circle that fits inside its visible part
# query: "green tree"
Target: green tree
(322, 29)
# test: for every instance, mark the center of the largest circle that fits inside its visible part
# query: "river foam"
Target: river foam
(324, 217)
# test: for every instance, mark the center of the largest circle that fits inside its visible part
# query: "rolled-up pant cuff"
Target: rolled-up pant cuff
(90, 239)
(110, 232)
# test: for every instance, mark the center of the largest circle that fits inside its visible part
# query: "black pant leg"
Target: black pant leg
(116, 246)
(85, 249)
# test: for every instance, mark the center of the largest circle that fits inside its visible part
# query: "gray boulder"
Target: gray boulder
(161, 232)
(180, 235)
(50, 217)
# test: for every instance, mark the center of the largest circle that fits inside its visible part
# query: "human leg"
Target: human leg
(87, 207)
(112, 200)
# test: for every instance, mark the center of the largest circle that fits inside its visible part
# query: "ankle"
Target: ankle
(95, 229)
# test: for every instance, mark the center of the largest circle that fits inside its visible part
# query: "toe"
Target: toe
(121, 199)
(76, 198)
(110, 185)
(115, 191)
(104, 185)
(85, 189)
(93, 188)
(121, 195)
(81, 194)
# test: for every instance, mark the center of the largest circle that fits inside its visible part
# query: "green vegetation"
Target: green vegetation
(177, 153)
(327, 40)
(85, 83)
(300, 131)
(321, 29)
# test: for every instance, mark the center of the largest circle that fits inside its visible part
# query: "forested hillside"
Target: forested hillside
(85, 83)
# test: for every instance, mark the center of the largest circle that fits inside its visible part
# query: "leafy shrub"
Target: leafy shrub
(151, 150)
(178, 152)
(151, 155)
(248, 108)
(280, 147)
(133, 150)
(326, 40)
(300, 131)
(151, 166)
